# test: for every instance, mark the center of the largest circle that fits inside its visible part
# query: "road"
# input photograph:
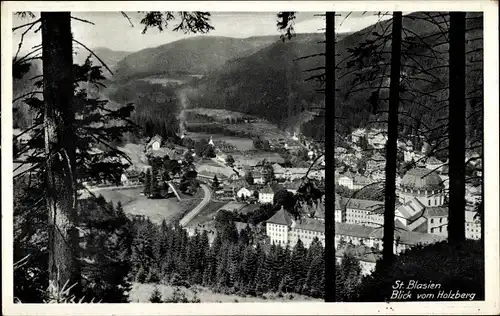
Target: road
(206, 199)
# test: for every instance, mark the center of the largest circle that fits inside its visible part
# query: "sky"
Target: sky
(112, 30)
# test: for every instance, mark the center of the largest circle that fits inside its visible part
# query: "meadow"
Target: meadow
(140, 293)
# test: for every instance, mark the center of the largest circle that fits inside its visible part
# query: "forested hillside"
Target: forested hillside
(267, 77)
(108, 56)
(192, 56)
(272, 83)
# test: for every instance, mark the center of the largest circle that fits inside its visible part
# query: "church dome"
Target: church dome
(422, 179)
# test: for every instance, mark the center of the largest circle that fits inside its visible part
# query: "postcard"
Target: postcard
(260, 158)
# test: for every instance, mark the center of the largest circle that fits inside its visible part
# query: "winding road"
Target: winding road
(206, 199)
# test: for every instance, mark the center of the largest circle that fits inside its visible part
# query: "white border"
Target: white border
(491, 140)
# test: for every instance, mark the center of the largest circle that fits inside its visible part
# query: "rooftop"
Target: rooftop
(281, 217)
(422, 179)
(368, 205)
(311, 224)
(352, 230)
(437, 211)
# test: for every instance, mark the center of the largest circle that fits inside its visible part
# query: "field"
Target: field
(258, 127)
(256, 157)
(136, 153)
(140, 293)
(220, 114)
(207, 213)
(136, 204)
(241, 143)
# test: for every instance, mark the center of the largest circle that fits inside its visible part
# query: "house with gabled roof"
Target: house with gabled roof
(376, 162)
(278, 226)
(266, 195)
(154, 143)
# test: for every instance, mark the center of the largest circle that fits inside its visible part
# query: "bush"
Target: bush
(455, 268)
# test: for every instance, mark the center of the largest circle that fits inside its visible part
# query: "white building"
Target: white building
(282, 229)
(244, 193)
(347, 180)
(424, 184)
(154, 143)
(124, 179)
(266, 195)
(357, 134)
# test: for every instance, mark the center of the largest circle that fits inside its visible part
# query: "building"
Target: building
(366, 257)
(339, 209)
(372, 236)
(291, 174)
(364, 212)
(266, 195)
(154, 143)
(232, 207)
(410, 155)
(375, 163)
(423, 207)
(360, 182)
(347, 180)
(357, 134)
(424, 184)
(277, 227)
(124, 179)
(244, 193)
(377, 141)
(282, 229)
(258, 177)
(434, 164)
(291, 186)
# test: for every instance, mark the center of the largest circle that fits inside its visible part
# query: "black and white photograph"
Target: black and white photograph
(283, 155)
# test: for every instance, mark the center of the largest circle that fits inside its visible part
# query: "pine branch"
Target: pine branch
(24, 25)
(127, 17)
(82, 20)
(93, 54)
(21, 41)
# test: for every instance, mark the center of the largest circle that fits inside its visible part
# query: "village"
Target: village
(243, 184)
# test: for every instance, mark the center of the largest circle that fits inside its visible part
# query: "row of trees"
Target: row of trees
(232, 264)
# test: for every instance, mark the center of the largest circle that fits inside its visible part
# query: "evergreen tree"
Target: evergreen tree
(147, 183)
(298, 266)
(215, 183)
(261, 275)
(248, 270)
(350, 277)
(156, 296)
(249, 178)
(230, 160)
(155, 185)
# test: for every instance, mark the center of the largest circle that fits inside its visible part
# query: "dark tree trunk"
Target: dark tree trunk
(456, 130)
(60, 149)
(391, 146)
(330, 158)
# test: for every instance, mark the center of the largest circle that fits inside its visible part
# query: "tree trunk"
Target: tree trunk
(60, 149)
(330, 158)
(456, 129)
(391, 146)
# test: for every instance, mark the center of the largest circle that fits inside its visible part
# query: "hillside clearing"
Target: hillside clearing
(140, 293)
